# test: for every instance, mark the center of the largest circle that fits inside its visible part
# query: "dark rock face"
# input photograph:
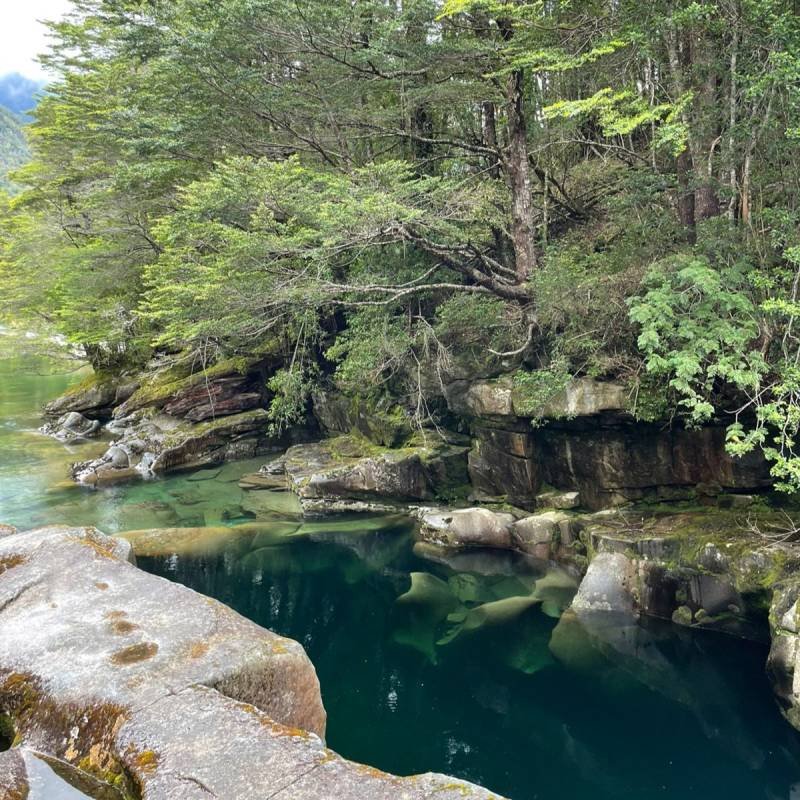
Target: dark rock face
(505, 463)
(625, 462)
(218, 398)
(588, 441)
(164, 693)
(382, 423)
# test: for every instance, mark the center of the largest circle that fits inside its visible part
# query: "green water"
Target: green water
(456, 665)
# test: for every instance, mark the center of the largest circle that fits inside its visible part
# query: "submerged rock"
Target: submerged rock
(133, 678)
(700, 570)
(611, 649)
(262, 480)
(155, 542)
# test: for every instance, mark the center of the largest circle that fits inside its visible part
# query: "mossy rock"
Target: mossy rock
(381, 420)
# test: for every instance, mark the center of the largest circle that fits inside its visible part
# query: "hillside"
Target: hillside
(13, 147)
(18, 93)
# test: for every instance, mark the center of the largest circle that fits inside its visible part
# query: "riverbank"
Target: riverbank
(446, 649)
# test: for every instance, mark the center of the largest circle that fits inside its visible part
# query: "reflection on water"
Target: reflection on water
(459, 663)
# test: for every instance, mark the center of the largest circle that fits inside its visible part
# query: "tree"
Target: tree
(398, 188)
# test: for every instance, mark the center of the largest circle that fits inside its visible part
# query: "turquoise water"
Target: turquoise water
(459, 664)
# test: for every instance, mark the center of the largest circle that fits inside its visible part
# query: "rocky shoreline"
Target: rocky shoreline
(587, 439)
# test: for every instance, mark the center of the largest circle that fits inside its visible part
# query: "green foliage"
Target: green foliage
(370, 352)
(708, 329)
(13, 147)
(619, 113)
(292, 392)
(470, 324)
(534, 390)
(699, 326)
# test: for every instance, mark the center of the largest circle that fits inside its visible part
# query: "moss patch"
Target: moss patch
(134, 654)
(81, 735)
(160, 387)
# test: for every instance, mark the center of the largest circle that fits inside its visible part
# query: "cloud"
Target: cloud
(22, 36)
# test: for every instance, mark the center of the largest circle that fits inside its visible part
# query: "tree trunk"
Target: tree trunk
(686, 198)
(679, 60)
(489, 131)
(519, 175)
(745, 210)
(489, 135)
(422, 130)
(704, 143)
(733, 99)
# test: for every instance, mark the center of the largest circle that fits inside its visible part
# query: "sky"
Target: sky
(22, 36)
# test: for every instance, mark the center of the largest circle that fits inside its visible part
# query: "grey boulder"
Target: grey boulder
(467, 527)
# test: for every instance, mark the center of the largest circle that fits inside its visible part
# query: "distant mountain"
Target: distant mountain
(13, 147)
(18, 93)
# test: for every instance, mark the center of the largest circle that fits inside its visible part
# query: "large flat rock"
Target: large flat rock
(347, 468)
(163, 692)
(203, 745)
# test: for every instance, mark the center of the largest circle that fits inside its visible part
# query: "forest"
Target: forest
(384, 193)
(402, 383)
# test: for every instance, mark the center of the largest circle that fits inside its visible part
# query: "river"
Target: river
(446, 670)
